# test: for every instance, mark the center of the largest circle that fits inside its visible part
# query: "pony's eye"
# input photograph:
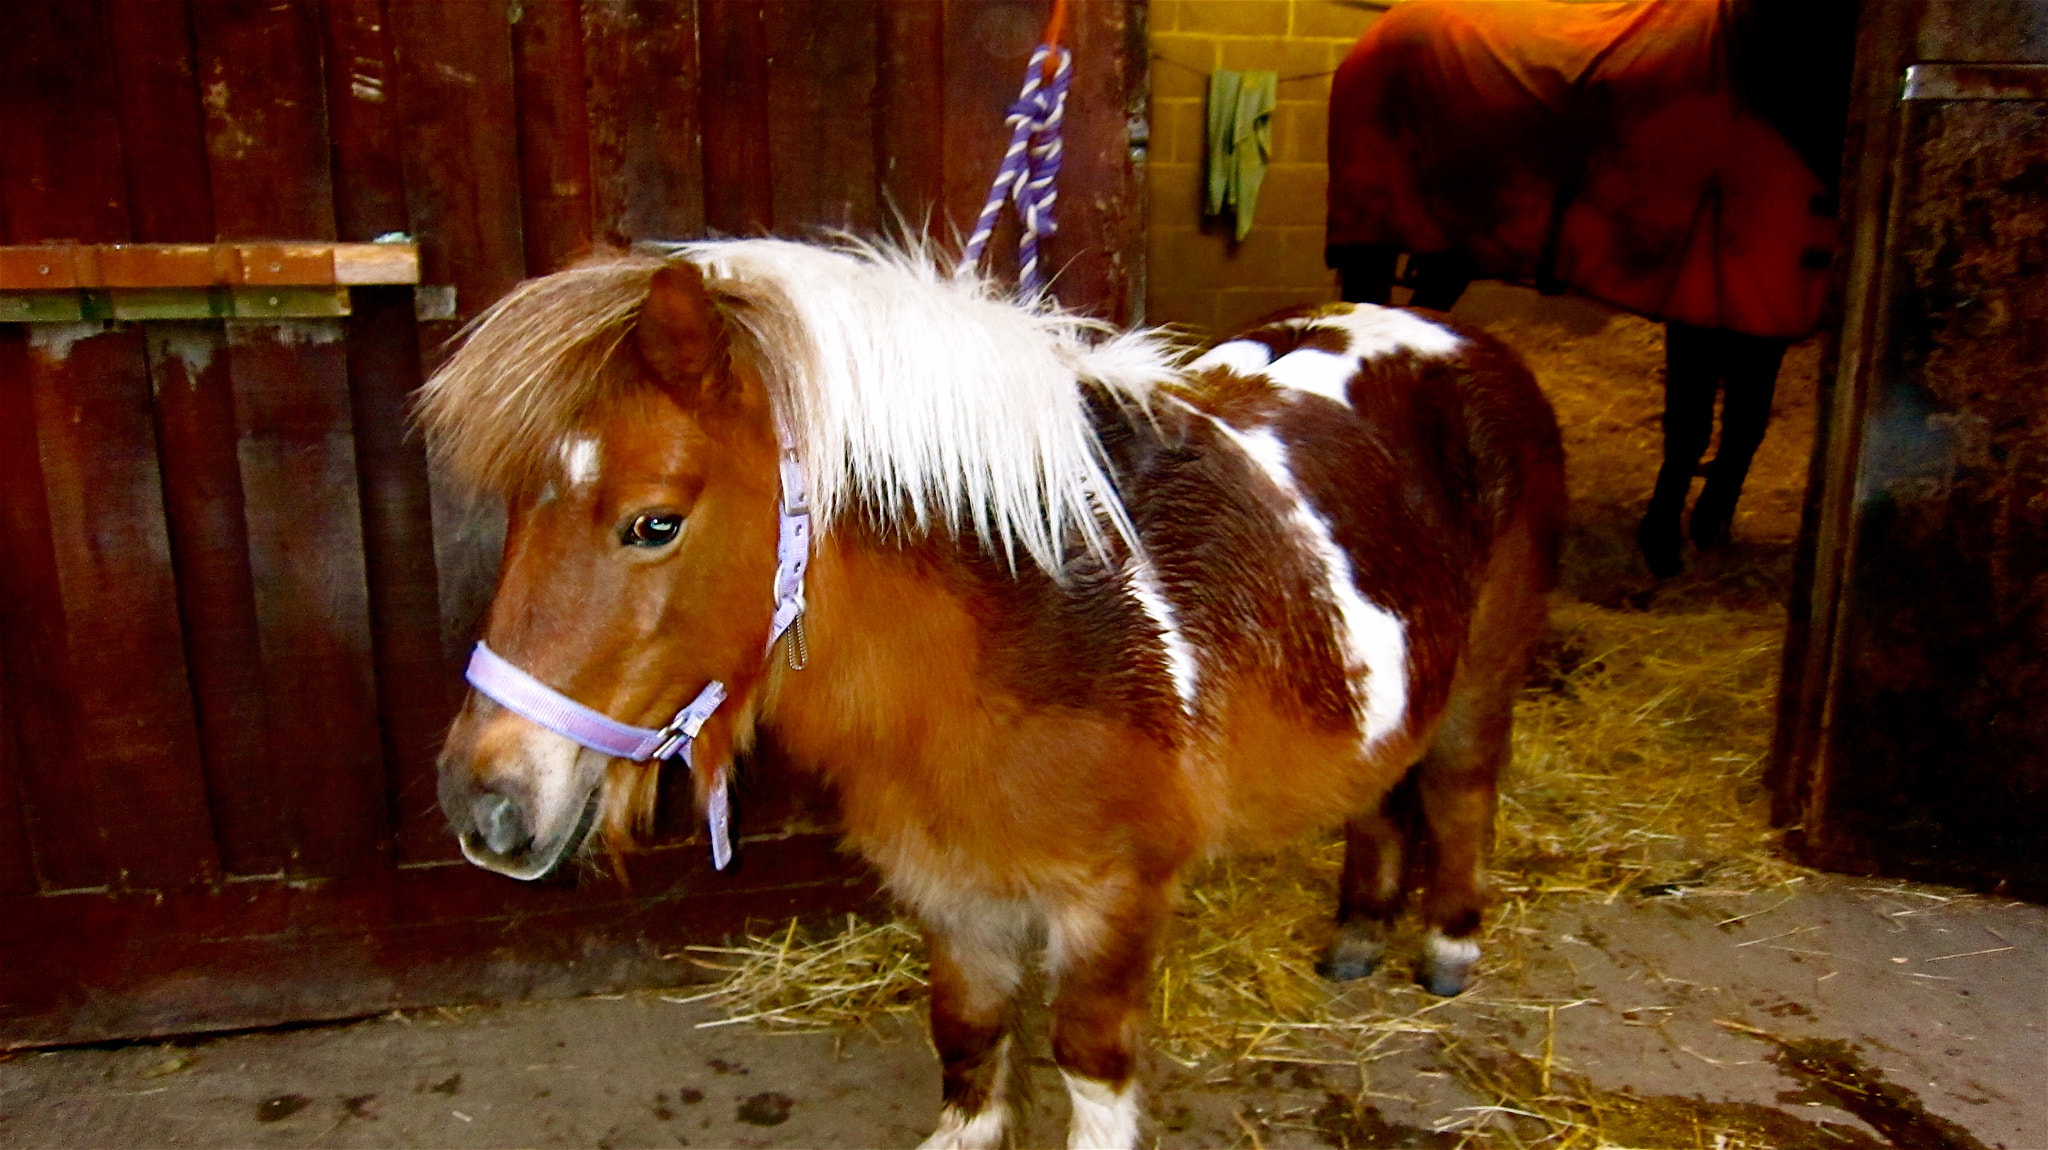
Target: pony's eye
(654, 529)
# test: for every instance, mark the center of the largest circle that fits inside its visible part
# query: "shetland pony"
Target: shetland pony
(1075, 616)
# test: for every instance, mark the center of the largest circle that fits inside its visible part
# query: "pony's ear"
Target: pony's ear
(680, 334)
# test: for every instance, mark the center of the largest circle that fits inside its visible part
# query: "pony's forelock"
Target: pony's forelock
(923, 397)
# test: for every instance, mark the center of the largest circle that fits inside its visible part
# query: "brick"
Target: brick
(1162, 16)
(1181, 66)
(1180, 130)
(1235, 17)
(1293, 194)
(1301, 133)
(1174, 195)
(1272, 54)
(1331, 19)
(1239, 308)
(1194, 310)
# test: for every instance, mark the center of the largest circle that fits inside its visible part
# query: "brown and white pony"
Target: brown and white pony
(1078, 616)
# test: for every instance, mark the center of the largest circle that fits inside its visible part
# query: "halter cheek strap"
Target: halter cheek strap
(504, 683)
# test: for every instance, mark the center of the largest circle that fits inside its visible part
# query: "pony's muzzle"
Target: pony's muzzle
(495, 820)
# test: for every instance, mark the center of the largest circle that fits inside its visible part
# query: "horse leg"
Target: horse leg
(1440, 278)
(1365, 272)
(1102, 961)
(1373, 885)
(1692, 372)
(1750, 381)
(1458, 777)
(975, 969)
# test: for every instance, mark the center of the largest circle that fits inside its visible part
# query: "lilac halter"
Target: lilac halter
(522, 694)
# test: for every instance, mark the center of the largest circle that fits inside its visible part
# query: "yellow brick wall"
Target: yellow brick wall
(1196, 275)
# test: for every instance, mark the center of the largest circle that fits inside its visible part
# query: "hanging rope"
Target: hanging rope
(1032, 162)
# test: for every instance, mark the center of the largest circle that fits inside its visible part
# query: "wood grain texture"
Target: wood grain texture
(135, 726)
(554, 133)
(362, 101)
(17, 870)
(732, 49)
(195, 428)
(462, 188)
(61, 174)
(1101, 203)
(821, 115)
(646, 146)
(259, 66)
(910, 116)
(163, 130)
(66, 840)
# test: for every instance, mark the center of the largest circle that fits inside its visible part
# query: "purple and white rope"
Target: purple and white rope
(1030, 166)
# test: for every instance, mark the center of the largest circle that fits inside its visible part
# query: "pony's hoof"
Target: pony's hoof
(1447, 965)
(1346, 969)
(1355, 953)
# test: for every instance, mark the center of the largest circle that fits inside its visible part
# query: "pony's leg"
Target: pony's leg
(1370, 892)
(1365, 272)
(1750, 380)
(1102, 960)
(1692, 372)
(975, 970)
(1440, 278)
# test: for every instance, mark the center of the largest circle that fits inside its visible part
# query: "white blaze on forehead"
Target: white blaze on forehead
(1244, 356)
(1373, 640)
(582, 459)
(1180, 655)
(1105, 1116)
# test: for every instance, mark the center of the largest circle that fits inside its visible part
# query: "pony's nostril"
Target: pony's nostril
(497, 820)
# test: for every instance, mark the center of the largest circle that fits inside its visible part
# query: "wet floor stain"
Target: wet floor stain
(281, 1107)
(769, 1109)
(1834, 1073)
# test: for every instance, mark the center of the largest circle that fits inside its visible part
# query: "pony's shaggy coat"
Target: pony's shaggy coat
(1077, 616)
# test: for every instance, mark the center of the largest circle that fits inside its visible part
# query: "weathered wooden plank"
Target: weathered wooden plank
(462, 187)
(414, 679)
(1101, 202)
(17, 870)
(267, 140)
(987, 43)
(61, 175)
(163, 134)
(305, 528)
(554, 133)
(135, 723)
(195, 426)
(646, 148)
(733, 50)
(821, 114)
(910, 115)
(55, 789)
(266, 121)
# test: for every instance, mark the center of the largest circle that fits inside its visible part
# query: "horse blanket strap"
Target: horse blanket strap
(513, 689)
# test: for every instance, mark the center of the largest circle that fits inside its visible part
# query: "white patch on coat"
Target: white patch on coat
(1143, 581)
(1373, 640)
(1451, 952)
(1382, 331)
(1243, 356)
(957, 1131)
(1317, 372)
(582, 459)
(1105, 1116)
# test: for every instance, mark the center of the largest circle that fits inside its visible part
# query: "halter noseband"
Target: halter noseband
(513, 689)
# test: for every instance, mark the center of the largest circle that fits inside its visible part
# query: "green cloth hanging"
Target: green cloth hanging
(1240, 141)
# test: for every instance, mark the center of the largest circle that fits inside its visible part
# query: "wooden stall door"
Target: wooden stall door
(234, 595)
(1913, 736)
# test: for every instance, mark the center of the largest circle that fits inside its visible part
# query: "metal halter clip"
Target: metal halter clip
(675, 738)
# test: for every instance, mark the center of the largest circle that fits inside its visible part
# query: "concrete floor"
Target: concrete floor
(1845, 1014)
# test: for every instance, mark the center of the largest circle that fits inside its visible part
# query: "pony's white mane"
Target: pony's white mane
(912, 392)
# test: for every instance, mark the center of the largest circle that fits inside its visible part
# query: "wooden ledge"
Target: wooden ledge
(70, 267)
